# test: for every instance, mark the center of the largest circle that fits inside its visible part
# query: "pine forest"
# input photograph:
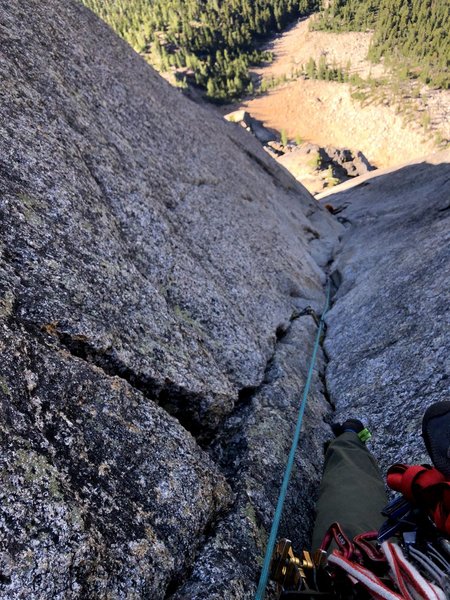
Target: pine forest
(215, 39)
(409, 35)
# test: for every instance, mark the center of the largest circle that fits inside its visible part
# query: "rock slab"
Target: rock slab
(150, 254)
(387, 338)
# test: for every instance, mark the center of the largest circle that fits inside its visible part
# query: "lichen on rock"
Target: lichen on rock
(96, 481)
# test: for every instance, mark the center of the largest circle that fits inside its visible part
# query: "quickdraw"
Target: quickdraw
(360, 568)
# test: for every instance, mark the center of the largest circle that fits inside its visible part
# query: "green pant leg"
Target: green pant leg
(352, 490)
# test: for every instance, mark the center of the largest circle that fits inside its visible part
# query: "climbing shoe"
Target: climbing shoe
(354, 425)
(436, 434)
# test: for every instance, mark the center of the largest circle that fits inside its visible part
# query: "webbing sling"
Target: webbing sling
(290, 462)
(426, 487)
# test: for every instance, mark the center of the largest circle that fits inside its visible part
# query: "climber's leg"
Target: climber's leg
(352, 491)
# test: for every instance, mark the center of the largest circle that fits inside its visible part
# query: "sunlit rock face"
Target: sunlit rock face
(156, 268)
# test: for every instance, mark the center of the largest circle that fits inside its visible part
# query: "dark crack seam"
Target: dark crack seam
(246, 396)
(335, 278)
(79, 349)
(162, 394)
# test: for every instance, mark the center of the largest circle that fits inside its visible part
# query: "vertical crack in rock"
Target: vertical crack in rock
(154, 252)
(251, 450)
(229, 457)
(335, 279)
(323, 376)
(246, 394)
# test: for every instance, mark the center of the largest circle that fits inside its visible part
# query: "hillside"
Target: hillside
(412, 36)
(212, 44)
(388, 123)
(215, 42)
(390, 60)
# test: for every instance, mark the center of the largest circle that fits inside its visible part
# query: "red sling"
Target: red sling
(425, 487)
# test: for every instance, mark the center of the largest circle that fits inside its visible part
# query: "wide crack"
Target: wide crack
(234, 452)
(169, 396)
(225, 454)
(247, 393)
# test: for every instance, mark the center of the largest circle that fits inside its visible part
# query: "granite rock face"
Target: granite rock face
(252, 449)
(153, 262)
(90, 474)
(160, 282)
(387, 338)
(116, 213)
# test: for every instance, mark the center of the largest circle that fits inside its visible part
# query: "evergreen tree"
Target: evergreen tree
(410, 35)
(216, 38)
(322, 68)
(311, 69)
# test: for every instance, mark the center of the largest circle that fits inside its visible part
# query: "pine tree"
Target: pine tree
(311, 69)
(322, 68)
(410, 33)
(179, 30)
(211, 88)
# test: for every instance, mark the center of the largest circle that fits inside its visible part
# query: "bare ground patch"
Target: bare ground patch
(325, 112)
(388, 125)
(297, 45)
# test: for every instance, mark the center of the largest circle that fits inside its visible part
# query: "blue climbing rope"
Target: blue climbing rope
(290, 463)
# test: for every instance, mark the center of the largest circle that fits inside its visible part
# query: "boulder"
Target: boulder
(361, 164)
(350, 169)
(251, 124)
(308, 148)
(346, 161)
(276, 147)
(261, 133)
(238, 116)
(318, 168)
(339, 155)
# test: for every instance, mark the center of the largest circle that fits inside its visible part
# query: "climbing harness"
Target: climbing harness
(290, 462)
